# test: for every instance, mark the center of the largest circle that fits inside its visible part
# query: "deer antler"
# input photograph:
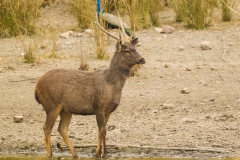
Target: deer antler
(104, 29)
(121, 24)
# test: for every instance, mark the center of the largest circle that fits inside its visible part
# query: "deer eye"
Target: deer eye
(127, 51)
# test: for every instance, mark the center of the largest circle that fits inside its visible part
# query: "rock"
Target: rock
(188, 120)
(205, 45)
(167, 29)
(213, 68)
(167, 105)
(155, 111)
(18, 119)
(184, 91)
(111, 127)
(166, 66)
(89, 31)
(65, 35)
(188, 69)
(199, 66)
(79, 34)
(158, 30)
(181, 48)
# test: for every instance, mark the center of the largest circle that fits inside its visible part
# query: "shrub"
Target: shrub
(226, 9)
(196, 13)
(18, 16)
(85, 11)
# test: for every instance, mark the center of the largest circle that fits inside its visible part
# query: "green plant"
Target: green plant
(155, 7)
(18, 16)
(195, 13)
(85, 11)
(30, 51)
(226, 9)
(101, 40)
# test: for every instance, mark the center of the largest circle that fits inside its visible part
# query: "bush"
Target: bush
(85, 11)
(18, 16)
(196, 13)
(226, 11)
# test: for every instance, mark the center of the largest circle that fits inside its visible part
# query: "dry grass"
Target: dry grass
(18, 17)
(226, 9)
(196, 14)
(84, 10)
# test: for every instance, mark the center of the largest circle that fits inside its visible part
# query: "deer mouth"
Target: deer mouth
(141, 61)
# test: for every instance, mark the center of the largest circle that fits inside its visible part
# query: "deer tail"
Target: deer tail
(36, 97)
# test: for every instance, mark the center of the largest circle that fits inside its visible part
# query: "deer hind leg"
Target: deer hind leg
(47, 128)
(102, 121)
(63, 130)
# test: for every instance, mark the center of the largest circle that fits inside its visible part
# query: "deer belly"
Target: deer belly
(80, 110)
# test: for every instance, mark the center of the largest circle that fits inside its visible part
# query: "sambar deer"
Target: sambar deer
(65, 92)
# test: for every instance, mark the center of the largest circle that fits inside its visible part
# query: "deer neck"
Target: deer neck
(118, 71)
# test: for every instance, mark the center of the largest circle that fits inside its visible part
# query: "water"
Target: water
(41, 157)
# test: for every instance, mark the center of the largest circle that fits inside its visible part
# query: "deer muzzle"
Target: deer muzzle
(142, 61)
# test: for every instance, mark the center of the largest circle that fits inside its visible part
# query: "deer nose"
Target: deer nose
(142, 61)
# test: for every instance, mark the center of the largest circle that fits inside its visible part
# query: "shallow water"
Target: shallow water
(41, 157)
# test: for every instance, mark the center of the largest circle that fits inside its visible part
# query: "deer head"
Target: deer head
(126, 47)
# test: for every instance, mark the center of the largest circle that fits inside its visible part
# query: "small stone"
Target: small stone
(155, 111)
(65, 35)
(168, 106)
(188, 69)
(79, 34)
(166, 66)
(31, 122)
(199, 67)
(205, 45)
(18, 119)
(167, 29)
(188, 120)
(213, 68)
(181, 48)
(158, 30)
(89, 31)
(184, 91)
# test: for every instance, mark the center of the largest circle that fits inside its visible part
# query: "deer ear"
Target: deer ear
(118, 46)
(134, 41)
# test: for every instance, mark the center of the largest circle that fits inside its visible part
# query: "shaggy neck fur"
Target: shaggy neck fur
(118, 71)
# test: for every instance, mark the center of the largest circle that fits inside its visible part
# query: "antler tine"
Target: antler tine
(104, 29)
(133, 32)
(121, 24)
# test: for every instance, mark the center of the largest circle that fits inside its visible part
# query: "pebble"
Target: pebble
(205, 45)
(184, 91)
(188, 69)
(166, 66)
(18, 119)
(188, 120)
(168, 106)
(65, 35)
(155, 111)
(79, 34)
(89, 31)
(158, 30)
(181, 48)
(167, 29)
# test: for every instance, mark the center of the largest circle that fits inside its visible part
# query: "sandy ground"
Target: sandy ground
(153, 112)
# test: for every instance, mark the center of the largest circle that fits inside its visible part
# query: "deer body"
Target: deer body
(65, 92)
(78, 92)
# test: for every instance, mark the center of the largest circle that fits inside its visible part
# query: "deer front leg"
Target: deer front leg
(101, 121)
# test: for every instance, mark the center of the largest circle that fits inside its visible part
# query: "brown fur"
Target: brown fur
(65, 92)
